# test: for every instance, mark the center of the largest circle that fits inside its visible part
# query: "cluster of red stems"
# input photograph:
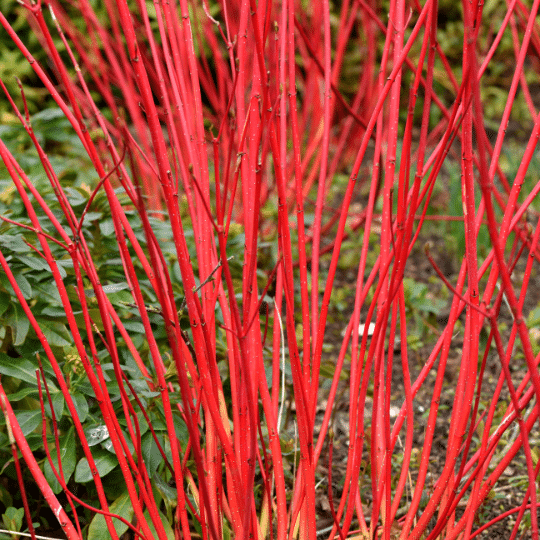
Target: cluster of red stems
(266, 76)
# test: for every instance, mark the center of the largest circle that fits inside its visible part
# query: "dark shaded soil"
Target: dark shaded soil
(508, 493)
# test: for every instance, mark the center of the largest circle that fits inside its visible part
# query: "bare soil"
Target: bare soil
(509, 491)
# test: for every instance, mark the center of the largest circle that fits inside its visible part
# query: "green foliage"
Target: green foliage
(19, 343)
(13, 65)
(422, 308)
(497, 76)
(20, 350)
(121, 506)
(12, 519)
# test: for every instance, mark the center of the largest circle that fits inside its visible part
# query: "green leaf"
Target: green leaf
(76, 195)
(13, 243)
(5, 301)
(95, 316)
(115, 287)
(96, 434)
(21, 394)
(24, 370)
(58, 401)
(166, 525)
(47, 115)
(105, 463)
(134, 326)
(12, 518)
(169, 494)
(107, 444)
(48, 294)
(67, 457)
(92, 216)
(180, 428)
(54, 312)
(159, 425)
(151, 454)
(534, 318)
(22, 282)
(5, 496)
(28, 420)
(36, 263)
(107, 227)
(56, 333)
(35, 441)
(328, 370)
(121, 506)
(19, 323)
(81, 405)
